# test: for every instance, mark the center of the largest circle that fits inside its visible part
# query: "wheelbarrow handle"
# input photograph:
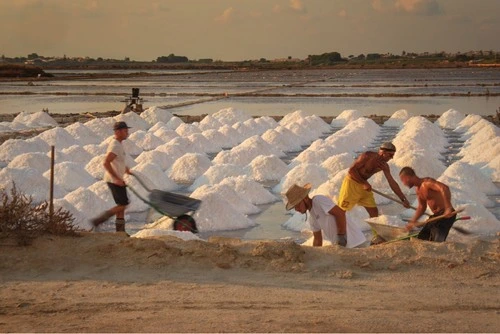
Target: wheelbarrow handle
(142, 183)
(430, 220)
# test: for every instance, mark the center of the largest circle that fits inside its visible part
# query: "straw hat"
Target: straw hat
(296, 194)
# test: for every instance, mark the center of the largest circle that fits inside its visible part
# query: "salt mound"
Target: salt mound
(13, 126)
(388, 220)
(30, 182)
(238, 202)
(482, 153)
(145, 140)
(472, 176)
(230, 116)
(80, 219)
(293, 117)
(482, 220)
(284, 142)
(165, 134)
(156, 174)
(202, 144)
(133, 120)
(216, 137)
(35, 160)
(87, 204)
(102, 126)
(159, 125)
(268, 121)
(209, 122)
(188, 167)
(154, 114)
(233, 136)
(129, 146)
(216, 214)
(267, 168)
(346, 117)
(58, 137)
(251, 190)
(11, 148)
(317, 123)
(162, 159)
(76, 153)
(398, 118)
(302, 174)
(492, 169)
(174, 151)
(302, 130)
(174, 123)
(157, 232)
(216, 174)
(450, 119)
(245, 130)
(70, 176)
(468, 122)
(337, 163)
(363, 129)
(476, 128)
(313, 156)
(101, 189)
(94, 150)
(82, 134)
(424, 165)
(462, 193)
(95, 167)
(35, 120)
(186, 129)
(137, 204)
(248, 150)
(297, 223)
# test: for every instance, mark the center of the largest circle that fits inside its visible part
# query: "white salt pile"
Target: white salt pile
(230, 116)
(101, 189)
(145, 140)
(162, 159)
(70, 176)
(463, 193)
(468, 122)
(302, 130)
(317, 123)
(398, 118)
(217, 214)
(157, 126)
(82, 134)
(156, 178)
(245, 130)
(233, 136)
(345, 118)
(337, 163)
(11, 148)
(87, 204)
(482, 221)
(202, 144)
(174, 123)
(267, 122)
(165, 134)
(13, 126)
(388, 220)
(76, 153)
(134, 121)
(154, 114)
(209, 122)
(186, 129)
(268, 168)
(102, 126)
(95, 150)
(216, 138)
(250, 189)
(297, 222)
(286, 142)
(174, 151)
(35, 160)
(302, 174)
(355, 136)
(316, 154)
(450, 119)
(30, 182)
(38, 119)
(216, 174)
(95, 167)
(293, 117)
(158, 232)
(492, 169)
(189, 167)
(482, 144)
(58, 137)
(248, 150)
(236, 200)
(472, 176)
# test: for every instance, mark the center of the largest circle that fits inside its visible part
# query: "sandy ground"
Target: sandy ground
(111, 283)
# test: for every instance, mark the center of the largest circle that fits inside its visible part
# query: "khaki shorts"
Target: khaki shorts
(352, 194)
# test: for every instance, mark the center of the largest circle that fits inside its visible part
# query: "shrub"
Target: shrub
(23, 220)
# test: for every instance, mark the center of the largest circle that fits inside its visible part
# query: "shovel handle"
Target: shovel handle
(430, 220)
(393, 199)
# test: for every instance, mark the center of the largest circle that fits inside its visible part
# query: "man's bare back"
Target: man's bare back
(429, 192)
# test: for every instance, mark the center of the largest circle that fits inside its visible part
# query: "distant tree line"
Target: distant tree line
(171, 58)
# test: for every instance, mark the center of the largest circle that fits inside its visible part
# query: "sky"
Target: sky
(244, 29)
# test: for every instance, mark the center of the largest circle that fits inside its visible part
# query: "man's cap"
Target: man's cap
(120, 125)
(296, 194)
(387, 146)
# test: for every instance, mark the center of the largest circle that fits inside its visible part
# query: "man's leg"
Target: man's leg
(441, 228)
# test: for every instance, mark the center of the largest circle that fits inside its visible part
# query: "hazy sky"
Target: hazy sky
(244, 29)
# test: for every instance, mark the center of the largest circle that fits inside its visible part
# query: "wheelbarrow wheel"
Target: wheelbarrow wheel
(185, 223)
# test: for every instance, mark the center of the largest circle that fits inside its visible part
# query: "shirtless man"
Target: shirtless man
(437, 196)
(356, 189)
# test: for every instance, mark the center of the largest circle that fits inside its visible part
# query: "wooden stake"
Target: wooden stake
(51, 202)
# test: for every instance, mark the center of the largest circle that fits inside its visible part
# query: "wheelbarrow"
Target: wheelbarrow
(171, 205)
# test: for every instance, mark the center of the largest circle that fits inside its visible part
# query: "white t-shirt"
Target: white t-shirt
(119, 163)
(321, 220)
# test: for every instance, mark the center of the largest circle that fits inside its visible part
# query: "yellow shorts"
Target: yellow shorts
(352, 194)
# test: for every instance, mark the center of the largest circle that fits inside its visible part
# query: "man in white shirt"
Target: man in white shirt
(115, 168)
(321, 219)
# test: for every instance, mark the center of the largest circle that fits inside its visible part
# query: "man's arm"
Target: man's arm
(394, 185)
(318, 239)
(354, 170)
(107, 165)
(444, 190)
(422, 206)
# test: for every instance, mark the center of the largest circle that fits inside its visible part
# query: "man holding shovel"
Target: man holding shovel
(116, 167)
(437, 196)
(356, 190)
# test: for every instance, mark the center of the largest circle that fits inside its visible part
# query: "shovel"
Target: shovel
(430, 220)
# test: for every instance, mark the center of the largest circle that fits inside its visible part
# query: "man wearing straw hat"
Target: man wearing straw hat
(356, 190)
(321, 220)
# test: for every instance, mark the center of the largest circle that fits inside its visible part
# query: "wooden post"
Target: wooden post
(51, 202)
